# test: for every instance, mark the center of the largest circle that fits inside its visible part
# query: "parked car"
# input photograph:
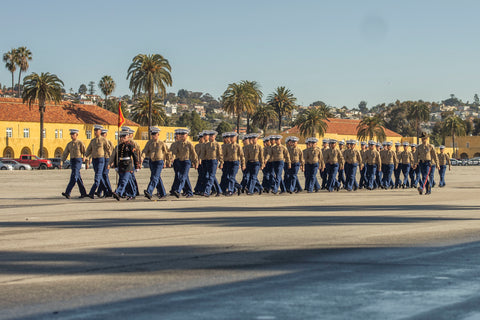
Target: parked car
(66, 164)
(454, 162)
(474, 161)
(56, 163)
(17, 165)
(34, 161)
(5, 166)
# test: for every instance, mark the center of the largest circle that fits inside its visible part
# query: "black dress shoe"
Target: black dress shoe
(147, 195)
(116, 196)
(239, 192)
(66, 195)
(176, 194)
(82, 196)
(91, 196)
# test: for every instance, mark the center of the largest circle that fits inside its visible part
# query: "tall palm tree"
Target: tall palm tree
(257, 95)
(371, 127)
(283, 102)
(23, 55)
(241, 98)
(312, 121)
(418, 112)
(9, 58)
(454, 126)
(106, 85)
(263, 115)
(140, 111)
(149, 74)
(42, 88)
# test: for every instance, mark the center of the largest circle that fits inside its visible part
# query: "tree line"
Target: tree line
(150, 75)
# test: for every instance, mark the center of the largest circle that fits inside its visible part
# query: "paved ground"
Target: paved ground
(364, 255)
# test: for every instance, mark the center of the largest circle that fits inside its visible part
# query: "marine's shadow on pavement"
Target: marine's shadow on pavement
(308, 279)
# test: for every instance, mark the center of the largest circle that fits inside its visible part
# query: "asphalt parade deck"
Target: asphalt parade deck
(384, 254)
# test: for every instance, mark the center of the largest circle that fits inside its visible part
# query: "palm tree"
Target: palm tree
(257, 94)
(140, 111)
(263, 115)
(241, 98)
(149, 74)
(283, 102)
(419, 112)
(9, 59)
(23, 55)
(454, 126)
(106, 85)
(42, 88)
(312, 121)
(371, 127)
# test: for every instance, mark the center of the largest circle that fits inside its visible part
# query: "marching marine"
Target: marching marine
(76, 150)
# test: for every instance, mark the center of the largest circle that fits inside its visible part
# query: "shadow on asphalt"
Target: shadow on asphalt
(311, 280)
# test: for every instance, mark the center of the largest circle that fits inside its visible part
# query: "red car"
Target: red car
(35, 162)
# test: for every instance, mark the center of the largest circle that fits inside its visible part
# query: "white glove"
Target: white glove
(136, 170)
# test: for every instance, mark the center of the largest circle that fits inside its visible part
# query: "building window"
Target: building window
(468, 144)
(89, 134)
(9, 132)
(26, 133)
(60, 134)
(56, 133)
(116, 135)
(144, 135)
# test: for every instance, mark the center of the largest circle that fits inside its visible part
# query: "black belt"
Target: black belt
(425, 161)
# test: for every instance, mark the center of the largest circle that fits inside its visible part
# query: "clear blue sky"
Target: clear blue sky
(340, 52)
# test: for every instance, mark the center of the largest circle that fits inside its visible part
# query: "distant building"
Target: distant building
(20, 127)
(342, 129)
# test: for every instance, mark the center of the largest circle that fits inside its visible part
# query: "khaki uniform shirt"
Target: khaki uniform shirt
(76, 149)
(183, 151)
(254, 153)
(383, 154)
(198, 146)
(362, 154)
(398, 154)
(443, 159)
(266, 150)
(278, 153)
(390, 157)
(296, 155)
(426, 153)
(155, 151)
(406, 157)
(353, 156)
(97, 148)
(233, 152)
(314, 155)
(211, 151)
(373, 157)
(110, 149)
(332, 156)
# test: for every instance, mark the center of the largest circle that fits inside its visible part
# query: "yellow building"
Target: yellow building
(467, 147)
(20, 127)
(342, 129)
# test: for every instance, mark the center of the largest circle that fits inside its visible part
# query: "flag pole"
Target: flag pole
(121, 121)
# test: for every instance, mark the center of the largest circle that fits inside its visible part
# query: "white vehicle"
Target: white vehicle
(5, 166)
(17, 165)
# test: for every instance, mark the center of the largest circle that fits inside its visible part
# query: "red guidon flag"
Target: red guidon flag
(121, 118)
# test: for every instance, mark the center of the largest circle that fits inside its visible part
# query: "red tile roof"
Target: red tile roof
(13, 109)
(344, 127)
